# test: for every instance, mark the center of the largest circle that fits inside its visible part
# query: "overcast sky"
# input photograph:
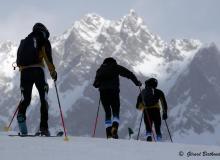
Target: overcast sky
(198, 19)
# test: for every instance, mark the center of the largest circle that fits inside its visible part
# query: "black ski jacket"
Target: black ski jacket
(107, 76)
(158, 95)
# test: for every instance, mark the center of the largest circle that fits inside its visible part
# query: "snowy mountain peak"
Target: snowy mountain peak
(133, 15)
(132, 12)
(178, 49)
(89, 27)
(92, 20)
(86, 28)
(211, 45)
(132, 22)
(185, 44)
(92, 17)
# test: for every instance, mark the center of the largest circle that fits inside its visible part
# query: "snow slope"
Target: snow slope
(85, 148)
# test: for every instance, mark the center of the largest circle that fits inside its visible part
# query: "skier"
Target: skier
(30, 55)
(107, 80)
(151, 107)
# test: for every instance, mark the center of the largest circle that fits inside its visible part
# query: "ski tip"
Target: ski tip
(6, 129)
(66, 139)
(60, 133)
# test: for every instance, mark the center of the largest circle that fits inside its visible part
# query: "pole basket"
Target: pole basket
(66, 138)
(6, 129)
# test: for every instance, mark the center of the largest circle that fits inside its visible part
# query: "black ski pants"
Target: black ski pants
(111, 104)
(29, 77)
(152, 116)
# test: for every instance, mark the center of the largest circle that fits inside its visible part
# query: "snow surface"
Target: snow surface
(85, 148)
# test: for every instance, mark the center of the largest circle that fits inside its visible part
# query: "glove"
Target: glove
(138, 83)
(54, 75)
(141, 107)
(164, 115)
(96, 84)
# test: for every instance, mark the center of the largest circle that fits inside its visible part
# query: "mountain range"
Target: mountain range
(187, 71)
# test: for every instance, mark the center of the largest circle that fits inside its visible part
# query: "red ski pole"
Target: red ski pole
(7, 128)
(61, 114)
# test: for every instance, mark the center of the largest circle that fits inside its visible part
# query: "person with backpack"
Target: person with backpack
(107, 80)
(149, 101)
(32, 53)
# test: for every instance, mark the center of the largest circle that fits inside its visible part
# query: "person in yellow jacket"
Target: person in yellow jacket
(33, 52)
(149, 101)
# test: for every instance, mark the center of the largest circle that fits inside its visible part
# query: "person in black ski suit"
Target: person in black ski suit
(107, 80)
(148, 101)
(34, 74)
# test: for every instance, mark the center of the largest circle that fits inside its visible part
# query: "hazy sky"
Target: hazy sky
(198, 19)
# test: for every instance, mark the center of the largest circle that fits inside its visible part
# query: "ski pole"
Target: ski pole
(168, 131)
(96, 120)
(61, 114)
(130, 132)
(148, 118)
(167, 125)
(140, 125)
(8, 127)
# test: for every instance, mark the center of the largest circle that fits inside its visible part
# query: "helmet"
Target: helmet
(109, 60)
(151, 82)
(39, 27)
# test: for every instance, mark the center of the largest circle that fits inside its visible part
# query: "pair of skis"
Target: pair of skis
(59, 134)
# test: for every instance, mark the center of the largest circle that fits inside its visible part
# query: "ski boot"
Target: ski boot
(22, 124)
(149, 137)
(159, 138)
(43, 132)
(114, 130)
(108, 132)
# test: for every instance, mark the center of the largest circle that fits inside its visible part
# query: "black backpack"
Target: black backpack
(28, 51)
(151, 97)
(108, 71)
